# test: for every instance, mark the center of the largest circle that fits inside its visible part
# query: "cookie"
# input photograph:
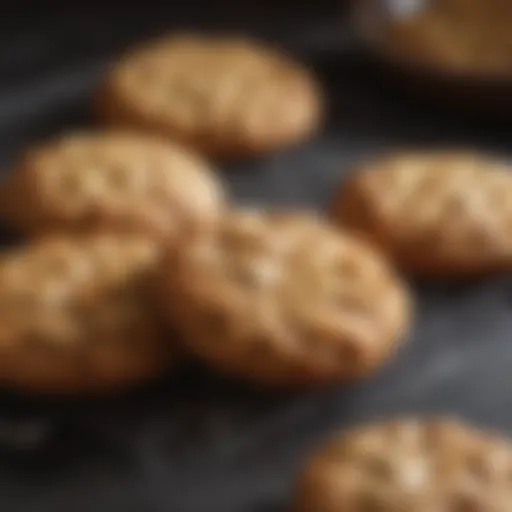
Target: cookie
(409, 465)
(435, 213)
(469, 36)
(226, 96)
(283, 299)
(75, 315)
(111, 181)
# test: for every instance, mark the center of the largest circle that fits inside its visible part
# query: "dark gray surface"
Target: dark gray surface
(198, 443)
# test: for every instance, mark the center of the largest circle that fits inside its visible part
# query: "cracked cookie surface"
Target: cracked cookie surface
(435, 213)
(284, 299)
(75, 314)
(408, 465)
(111, 181)
(225, 96)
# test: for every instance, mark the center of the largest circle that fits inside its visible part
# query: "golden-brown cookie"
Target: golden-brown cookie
(75, 314)
(435, 213)
(409, 465)
(225, 96)
(111, 180)
(284, 299)
(454, 36)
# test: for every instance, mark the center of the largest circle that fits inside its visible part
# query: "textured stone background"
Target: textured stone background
(199, 443)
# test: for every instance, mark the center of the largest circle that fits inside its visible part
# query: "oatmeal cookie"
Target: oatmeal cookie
(470, 37)
(284, 299)
(111, 180)
(225, 96)
(435, 213)
(75, 314)
(408, 465)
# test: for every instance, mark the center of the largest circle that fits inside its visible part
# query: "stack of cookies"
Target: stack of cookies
(134, 255)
